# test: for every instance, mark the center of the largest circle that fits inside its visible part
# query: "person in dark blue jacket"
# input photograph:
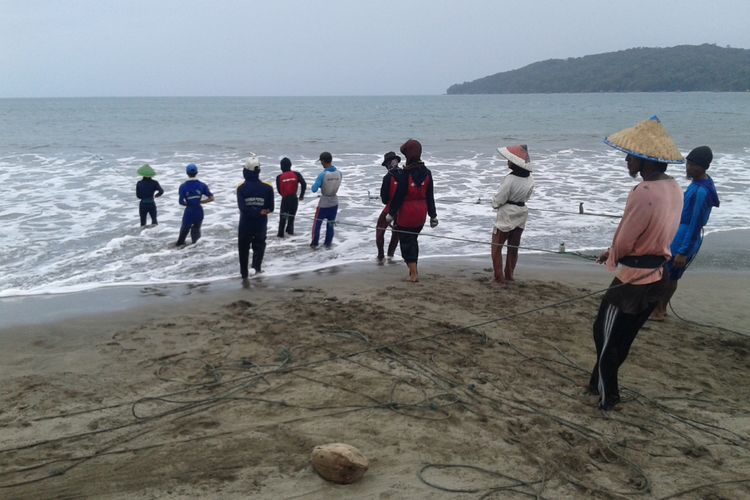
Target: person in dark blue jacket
(193, 194)
(255, 201)
(700, 197)
(144, 191)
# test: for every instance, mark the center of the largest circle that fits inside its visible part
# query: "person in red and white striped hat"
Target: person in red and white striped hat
(510, 202)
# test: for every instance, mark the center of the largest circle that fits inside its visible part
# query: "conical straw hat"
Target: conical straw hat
(517, 154)
(146, 171)
(648, 140)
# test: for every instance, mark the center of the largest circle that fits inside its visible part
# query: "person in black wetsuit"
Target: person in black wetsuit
(255, 201)
(286, 184)
(144, 190)
(387, 191)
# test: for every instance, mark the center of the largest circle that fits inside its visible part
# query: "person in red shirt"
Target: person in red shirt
(387, 191)
(639, 250)
(287, 184)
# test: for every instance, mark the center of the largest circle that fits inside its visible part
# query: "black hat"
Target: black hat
(325, 157)
(390, 155)
(701, 156)
(286, 164)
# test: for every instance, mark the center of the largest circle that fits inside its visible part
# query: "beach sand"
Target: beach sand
(449, 384)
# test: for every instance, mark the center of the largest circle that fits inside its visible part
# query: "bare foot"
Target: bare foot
(498, 283)
(657, 317)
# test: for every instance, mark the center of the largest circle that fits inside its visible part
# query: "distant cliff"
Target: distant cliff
(683, 68)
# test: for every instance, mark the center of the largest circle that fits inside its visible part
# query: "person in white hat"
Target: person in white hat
(639, 251)
(512, 213)
(255, 201)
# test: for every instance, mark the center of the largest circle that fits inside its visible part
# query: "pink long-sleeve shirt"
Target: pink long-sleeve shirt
(648, 226)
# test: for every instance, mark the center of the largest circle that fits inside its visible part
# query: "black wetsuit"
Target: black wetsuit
(144, 190)
(289, 200)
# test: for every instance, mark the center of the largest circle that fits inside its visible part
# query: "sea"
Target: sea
(69, 216)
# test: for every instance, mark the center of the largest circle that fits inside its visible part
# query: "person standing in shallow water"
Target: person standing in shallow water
(144, 191)
(193, 194)
(328, 182)
(699, 198)
(255, 202)
(512, 213)
(413, 201)
(287, 184)
(387, 191)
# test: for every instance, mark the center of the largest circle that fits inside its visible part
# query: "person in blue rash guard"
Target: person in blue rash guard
(192, 193)
(146, 190)
(328, 182)
(700, 197)
(255, 201)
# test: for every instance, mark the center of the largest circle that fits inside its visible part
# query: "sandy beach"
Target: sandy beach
(453, 388)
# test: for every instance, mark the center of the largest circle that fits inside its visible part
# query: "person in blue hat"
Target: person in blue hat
(193, 194)
(255, 201)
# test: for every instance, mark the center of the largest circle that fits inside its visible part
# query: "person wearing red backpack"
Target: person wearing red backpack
(287, 184)
(387, 190)
(413, 201)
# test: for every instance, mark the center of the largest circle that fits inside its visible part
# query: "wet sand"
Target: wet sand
(222, 392)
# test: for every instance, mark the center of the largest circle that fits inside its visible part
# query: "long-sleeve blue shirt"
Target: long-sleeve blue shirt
(191, 191)
(699, 198)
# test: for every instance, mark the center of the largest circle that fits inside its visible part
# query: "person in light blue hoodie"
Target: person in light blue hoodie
(700, 197)
(328, 182)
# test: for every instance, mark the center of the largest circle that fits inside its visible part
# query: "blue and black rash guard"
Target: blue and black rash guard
(145, 189)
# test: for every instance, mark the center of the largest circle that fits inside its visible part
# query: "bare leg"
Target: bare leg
(514, 239)
(413, 277)
(498, 238)
(660, 312)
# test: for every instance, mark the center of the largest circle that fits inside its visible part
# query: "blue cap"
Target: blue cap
(191, 169)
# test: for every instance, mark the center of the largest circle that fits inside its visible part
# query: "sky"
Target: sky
(81, 48)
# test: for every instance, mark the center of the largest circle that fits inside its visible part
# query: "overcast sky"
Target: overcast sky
(51, 48)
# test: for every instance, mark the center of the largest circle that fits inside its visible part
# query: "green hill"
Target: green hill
(683, 68)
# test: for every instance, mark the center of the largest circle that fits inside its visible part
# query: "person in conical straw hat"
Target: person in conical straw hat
(146, 190)
(510, 203)
(639, 250)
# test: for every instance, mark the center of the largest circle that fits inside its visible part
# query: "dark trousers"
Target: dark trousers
(288, 210)
(195, 232)
(147, 209)
(328, 214)
(380, 230)
(614, 333)
(408, 242)
(255, 238)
